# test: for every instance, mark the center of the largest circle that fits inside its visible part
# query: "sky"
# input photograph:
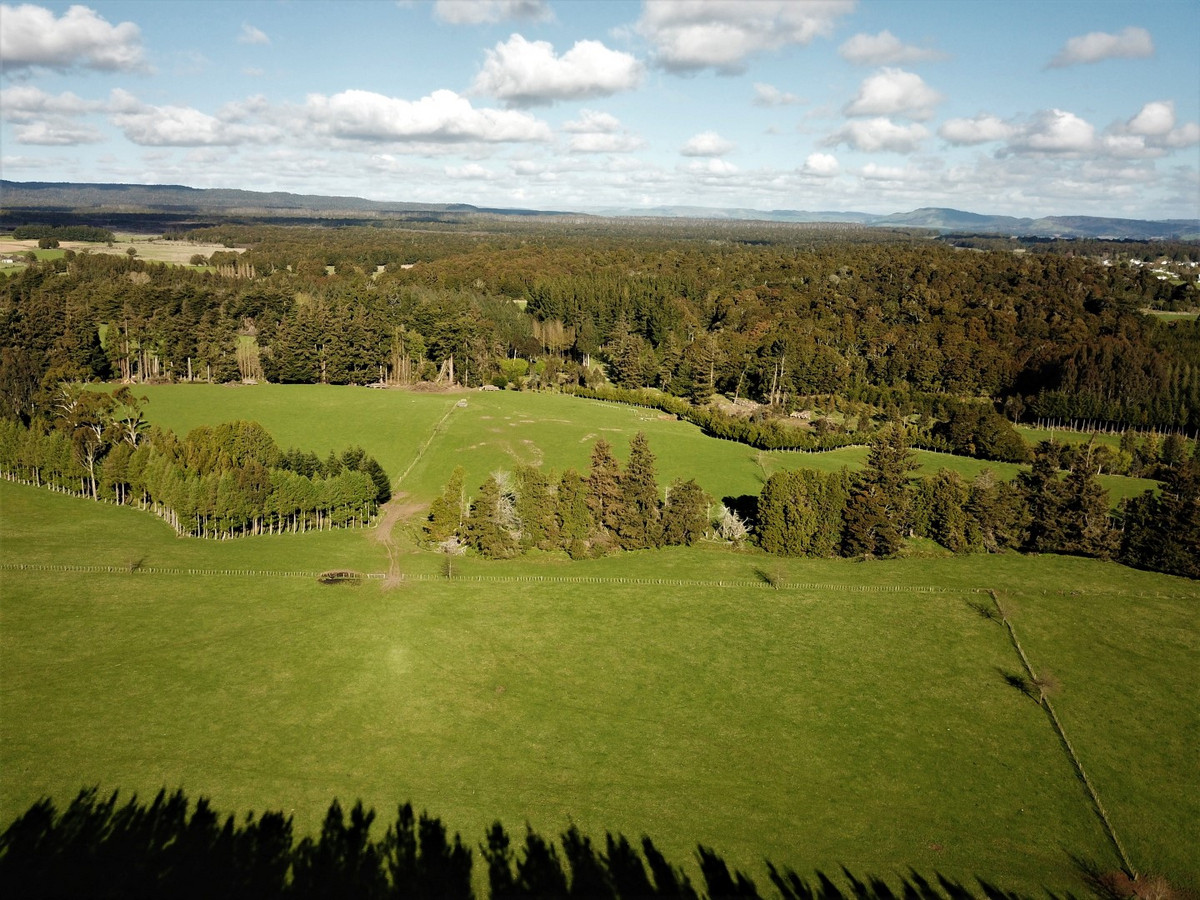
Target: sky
(991, 106)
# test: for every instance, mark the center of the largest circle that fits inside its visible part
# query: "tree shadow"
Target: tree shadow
(1019, 681)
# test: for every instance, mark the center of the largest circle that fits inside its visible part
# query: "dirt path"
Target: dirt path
(397, 510)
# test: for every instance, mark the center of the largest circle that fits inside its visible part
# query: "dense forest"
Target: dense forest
(772, 313)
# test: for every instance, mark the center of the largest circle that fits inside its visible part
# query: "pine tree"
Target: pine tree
(1044, 496)
(685, 515)
(878, 511)
(486, 530)
(604, 488)
(535, 508)
(445, 513)
(573, 513)
(640, 523)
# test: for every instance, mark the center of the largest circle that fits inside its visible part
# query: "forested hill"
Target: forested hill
(22, 202)
(770, 315)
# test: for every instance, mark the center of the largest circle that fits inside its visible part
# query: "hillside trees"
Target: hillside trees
(877, 516)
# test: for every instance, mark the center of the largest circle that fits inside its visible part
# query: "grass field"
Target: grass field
(858, 716)
(500, 430)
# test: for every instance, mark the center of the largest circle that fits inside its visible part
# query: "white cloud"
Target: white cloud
(1054, 131)
(528, 73)
(769, 95)
(606, 143)
(894, 92)
(591, 121)
(690, 35)
(442, 117)
(821, 165)
(711, 167)
(885, 49)
(252, 35)
(600, 132)
(981, 129)
(871, 135)
(1155, 119)
(23, 102)
(470, 172)
(707, 143)
(1129, 43)
(57, 133)
(32, 36)
(489, 12)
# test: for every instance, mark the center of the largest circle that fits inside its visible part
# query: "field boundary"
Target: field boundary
(526, 579)
(437, 429)
(1045, 703)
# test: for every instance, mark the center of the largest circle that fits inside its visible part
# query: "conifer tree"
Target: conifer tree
(1086, 531)
(445, 513)
(535, 508)
(604, 488)
(640, 523)
(573, 513)
(486, 530)
(878, 511)
(685, 515)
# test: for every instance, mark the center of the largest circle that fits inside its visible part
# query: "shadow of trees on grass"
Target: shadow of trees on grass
(168, 847)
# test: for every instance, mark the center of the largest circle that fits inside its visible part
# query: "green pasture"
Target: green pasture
(485, 431)
(857, 716)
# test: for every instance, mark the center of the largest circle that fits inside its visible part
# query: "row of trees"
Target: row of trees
(1056, 506)
(221, 481)
(607, 508)
(169, 847)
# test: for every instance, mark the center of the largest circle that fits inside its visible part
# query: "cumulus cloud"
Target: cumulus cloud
(872, 135)
(442, 117)
(690, 35)
(47, 119)
(894, 92)
(1152, 132)
(711, 167)
(23, 102)
(769, 95)
(1054, 131)
(821, 165)
(981, 129)
(707, 143)
(489, 12)
(179, 126)
(1155, 119)
(57, 133)
(528, 73)
(252, 35)
(1129, 43)
(600, 132)
(33, 36)
(885, 49)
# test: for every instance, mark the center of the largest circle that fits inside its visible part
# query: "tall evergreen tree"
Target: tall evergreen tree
(486, 528)
(878, 511)
(445, 513)
(640, 523)
(685, 515)
(604, 488)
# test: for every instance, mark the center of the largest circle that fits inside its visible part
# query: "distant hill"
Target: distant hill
(173, 204)
(941, 219)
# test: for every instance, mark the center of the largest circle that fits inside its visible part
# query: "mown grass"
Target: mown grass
(817, 725)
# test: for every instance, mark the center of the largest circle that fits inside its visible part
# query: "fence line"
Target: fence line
(495, 579)
(1044, 701)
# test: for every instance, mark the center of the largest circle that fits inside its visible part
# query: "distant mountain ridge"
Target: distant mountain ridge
(179, 199)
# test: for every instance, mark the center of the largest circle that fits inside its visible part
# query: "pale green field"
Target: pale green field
(499, 430)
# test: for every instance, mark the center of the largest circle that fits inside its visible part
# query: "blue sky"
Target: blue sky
(1011, 107)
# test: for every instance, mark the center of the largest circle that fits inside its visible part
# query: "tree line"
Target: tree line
(609, 507)
(777, 319)
(218, 481)
(170, 847)
(1056, 506)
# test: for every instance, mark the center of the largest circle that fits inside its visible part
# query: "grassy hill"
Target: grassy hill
(861, 714)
